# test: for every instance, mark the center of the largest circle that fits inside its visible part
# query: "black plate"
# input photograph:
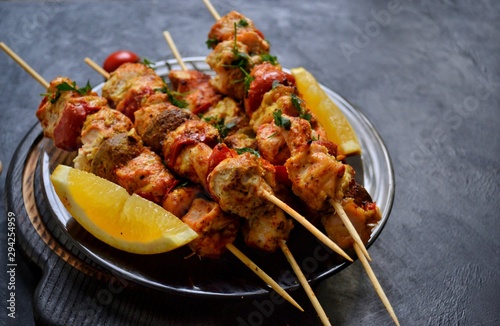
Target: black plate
(227, 277)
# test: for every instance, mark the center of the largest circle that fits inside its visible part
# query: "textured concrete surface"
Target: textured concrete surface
(425, 73)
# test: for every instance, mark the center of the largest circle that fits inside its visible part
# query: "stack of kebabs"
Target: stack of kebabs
(215, 151)
(205, 148)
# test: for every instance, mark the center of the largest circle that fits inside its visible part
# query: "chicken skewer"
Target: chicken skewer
(275, 286)
(58, 122)
(284, 247)
(238, 44)
(297, 216)
(338, 207)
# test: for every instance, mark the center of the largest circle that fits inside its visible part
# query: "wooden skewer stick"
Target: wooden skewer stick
(24, 65)
(97, 68)
(260, 273)
(376, 283)
(212, 10)
(308, 225)
(174, 50)
(350, 228)
(303, 281)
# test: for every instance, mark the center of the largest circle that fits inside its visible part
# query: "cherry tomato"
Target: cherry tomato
(114, 60)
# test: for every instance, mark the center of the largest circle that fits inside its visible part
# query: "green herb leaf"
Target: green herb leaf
(65, 87)
(173, 97)
(247, 150)
(269, 58)
(148, 63)
(211, 42)
(220, 125)
(242, 23)
(297, 103)
(281, 121)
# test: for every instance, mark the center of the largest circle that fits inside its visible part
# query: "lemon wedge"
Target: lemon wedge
(126, 222)
(337, 127)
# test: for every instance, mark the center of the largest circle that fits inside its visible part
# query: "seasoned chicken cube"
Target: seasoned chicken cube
(224, 28)
(154, 122)
(98, 127)
(129, 87)
(271, 144)
(237, 183)
(215, 228)
(195, 88)
(227, 116)
(121, 80)
(179, 199)
(266, 231)
(227, 60)
(146, 176)
(279, 98)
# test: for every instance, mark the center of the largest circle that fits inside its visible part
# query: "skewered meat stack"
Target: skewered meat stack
(287, 132)
(111, 148)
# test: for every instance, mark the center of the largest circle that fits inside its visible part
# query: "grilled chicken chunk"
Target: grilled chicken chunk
(235, 24)
(129, 87)
(154, 122)
(98, 127)
(179, 199)
(265, 232)
(195, 88)
(146, 176)
(236, 184)
(215, 228)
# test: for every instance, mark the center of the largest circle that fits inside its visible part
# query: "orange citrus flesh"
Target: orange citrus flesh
(126, 222)
(337, 127)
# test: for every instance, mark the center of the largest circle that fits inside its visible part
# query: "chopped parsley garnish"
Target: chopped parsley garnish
(211, 42)
(297, 101)
(65, 87)
(148, 63)
(247, 150)
(242, 23)
(281, 121)
(173, 97)
(220, 125)
(269, 58)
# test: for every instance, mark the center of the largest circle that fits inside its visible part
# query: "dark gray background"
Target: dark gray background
(425, 73)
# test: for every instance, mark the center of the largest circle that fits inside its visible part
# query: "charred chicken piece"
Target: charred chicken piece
(115, 152)
(154, 122)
